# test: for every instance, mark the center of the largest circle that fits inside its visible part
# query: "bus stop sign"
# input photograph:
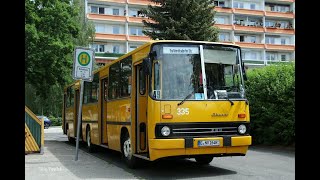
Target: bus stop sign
(83, 64)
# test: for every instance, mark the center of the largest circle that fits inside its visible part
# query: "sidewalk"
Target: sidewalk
(57, 163)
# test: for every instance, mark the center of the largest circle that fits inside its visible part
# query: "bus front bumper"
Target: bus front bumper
(227, 146)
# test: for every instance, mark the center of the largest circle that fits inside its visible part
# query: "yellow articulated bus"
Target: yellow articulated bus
(166, 98)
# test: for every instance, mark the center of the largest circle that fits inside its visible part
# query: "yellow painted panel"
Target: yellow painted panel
(117, 111)
(241, 141)
(239, 149)
(159, 153)
(166, 143)
(208, 150)
(206, 111)
(30, 143)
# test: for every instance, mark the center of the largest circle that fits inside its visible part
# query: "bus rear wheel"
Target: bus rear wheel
(127, 155)
(204, 159)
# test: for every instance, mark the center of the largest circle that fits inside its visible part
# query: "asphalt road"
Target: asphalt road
(57, 162)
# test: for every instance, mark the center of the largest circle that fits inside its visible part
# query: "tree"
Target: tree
(181, 19)
(52, 29)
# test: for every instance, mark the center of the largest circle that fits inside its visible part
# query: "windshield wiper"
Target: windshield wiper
(188, 96)
(231, 102)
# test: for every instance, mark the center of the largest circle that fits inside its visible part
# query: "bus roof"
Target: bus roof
(162, 41)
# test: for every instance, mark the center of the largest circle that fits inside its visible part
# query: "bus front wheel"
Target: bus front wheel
(204, 159)
(127, 155)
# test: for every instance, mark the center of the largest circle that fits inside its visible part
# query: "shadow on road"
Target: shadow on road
(161, 169)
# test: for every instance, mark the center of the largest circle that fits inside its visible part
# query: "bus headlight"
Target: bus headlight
(242, 129)
(165, 131)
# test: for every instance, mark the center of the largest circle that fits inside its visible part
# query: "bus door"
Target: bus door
(141, 110)
(104, 93)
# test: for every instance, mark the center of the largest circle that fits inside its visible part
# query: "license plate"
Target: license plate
(208, 143)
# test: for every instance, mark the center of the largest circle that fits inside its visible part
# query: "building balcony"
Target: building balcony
(141, 2)
(280, 47)
(138, 19)
(114, 1)
(224, 26)
(279, 30)
(280, 14)
(105, 17)
(250, 45)
(223, 9)
(291, 1)
(249, 28)
(248, 12)
(104, 60)
(103, 36)
(139, 38)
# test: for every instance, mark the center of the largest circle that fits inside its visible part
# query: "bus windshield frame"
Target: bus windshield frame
(196, 72)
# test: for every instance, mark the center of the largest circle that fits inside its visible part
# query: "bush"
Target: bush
(55, 121)
(271, 93)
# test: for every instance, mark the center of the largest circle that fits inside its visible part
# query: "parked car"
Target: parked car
(47, 121)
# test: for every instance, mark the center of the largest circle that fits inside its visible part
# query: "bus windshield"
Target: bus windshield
(181, 72)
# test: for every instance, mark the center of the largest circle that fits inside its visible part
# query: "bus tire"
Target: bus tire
(70, 139)
(204, 159)
(130, 160)
(90, 146)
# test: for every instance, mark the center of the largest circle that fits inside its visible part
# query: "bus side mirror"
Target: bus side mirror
(146, 65)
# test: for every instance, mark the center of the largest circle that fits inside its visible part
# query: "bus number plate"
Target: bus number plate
(208, 143)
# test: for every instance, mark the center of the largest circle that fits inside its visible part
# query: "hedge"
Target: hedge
(271, 94)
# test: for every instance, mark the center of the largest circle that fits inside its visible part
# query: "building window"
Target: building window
(94, 9)
(283, 41)
(220, 20)
(270, 40)
(222, 37)
(219, 3)
(101, 48)
(270, 24)
(133, 13)
(98, 47)
(101, 10)
(131, 48)
(241, 38)
(253, 39)
(136, 31)
(271, 56)
(116, 49)
(115, 12)
(283, 57)
(238, 5)
(100, 28)
(253, 55)
(252, 6)
(115, 30)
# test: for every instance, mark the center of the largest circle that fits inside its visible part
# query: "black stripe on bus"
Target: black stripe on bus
(118, 123)
(90, 121)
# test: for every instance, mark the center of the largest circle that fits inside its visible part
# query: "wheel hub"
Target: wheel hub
(127, 149)
(88, 139)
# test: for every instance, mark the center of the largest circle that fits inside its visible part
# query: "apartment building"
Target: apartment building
(264, 29)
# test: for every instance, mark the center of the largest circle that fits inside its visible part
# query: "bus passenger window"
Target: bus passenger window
(142, 82)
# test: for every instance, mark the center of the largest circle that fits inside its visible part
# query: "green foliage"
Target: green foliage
(53, 28)
(271, 93)
(55, 121)
(181, 20)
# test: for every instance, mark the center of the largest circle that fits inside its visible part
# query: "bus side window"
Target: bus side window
(142, 82)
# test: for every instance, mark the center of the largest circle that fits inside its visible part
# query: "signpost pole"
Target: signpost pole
(79, 119)
(83, 71)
